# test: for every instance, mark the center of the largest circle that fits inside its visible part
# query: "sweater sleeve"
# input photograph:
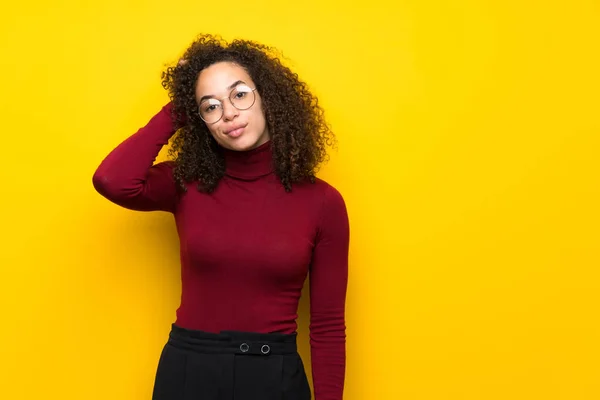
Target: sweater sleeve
(128, 176)
(328, 283)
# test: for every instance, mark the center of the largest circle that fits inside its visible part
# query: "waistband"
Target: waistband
(233, 342)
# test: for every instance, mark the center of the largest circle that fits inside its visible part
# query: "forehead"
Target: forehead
(215, 79)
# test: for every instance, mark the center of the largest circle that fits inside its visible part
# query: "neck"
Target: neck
(249, 164)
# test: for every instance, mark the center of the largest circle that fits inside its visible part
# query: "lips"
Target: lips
(235, 129)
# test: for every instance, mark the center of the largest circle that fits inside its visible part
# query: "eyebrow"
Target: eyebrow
(230, 87)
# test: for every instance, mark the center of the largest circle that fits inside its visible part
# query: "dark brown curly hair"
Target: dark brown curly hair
(296, 123)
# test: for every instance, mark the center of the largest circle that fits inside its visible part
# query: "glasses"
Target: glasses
(241, 97)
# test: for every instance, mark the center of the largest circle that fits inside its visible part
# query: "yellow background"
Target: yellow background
(468, 157)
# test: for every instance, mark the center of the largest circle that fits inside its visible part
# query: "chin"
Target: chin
(240, 144)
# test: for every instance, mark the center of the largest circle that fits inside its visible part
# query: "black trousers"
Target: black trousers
(231, 365)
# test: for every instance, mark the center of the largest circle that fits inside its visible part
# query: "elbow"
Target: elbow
(118, 190)
(105, 185)
(101, 183)
(330, 325)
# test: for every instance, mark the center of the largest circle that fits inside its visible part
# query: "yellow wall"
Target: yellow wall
(469, 141)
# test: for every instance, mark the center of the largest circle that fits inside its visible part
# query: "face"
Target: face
(223, 86)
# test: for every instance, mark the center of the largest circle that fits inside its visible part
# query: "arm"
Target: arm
(328, 283)
(128, 176)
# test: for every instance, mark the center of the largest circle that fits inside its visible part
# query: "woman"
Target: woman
(253, 222)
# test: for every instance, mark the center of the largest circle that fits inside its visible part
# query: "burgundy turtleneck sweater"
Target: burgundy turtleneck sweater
(247, 248)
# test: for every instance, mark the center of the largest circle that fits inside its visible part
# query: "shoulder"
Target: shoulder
(333, 222)
(330, 199)
(318, 188)
(329, 192)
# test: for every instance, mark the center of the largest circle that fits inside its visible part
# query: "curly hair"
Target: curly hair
(296, 123)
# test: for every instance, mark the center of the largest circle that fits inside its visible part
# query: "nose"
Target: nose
(229, 111)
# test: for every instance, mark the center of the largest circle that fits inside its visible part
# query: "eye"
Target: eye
(242, 89)
(210, 106)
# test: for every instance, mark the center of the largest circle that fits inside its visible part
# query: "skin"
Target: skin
(238, 130)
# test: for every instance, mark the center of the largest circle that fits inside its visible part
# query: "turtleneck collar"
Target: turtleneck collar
(250, 164)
